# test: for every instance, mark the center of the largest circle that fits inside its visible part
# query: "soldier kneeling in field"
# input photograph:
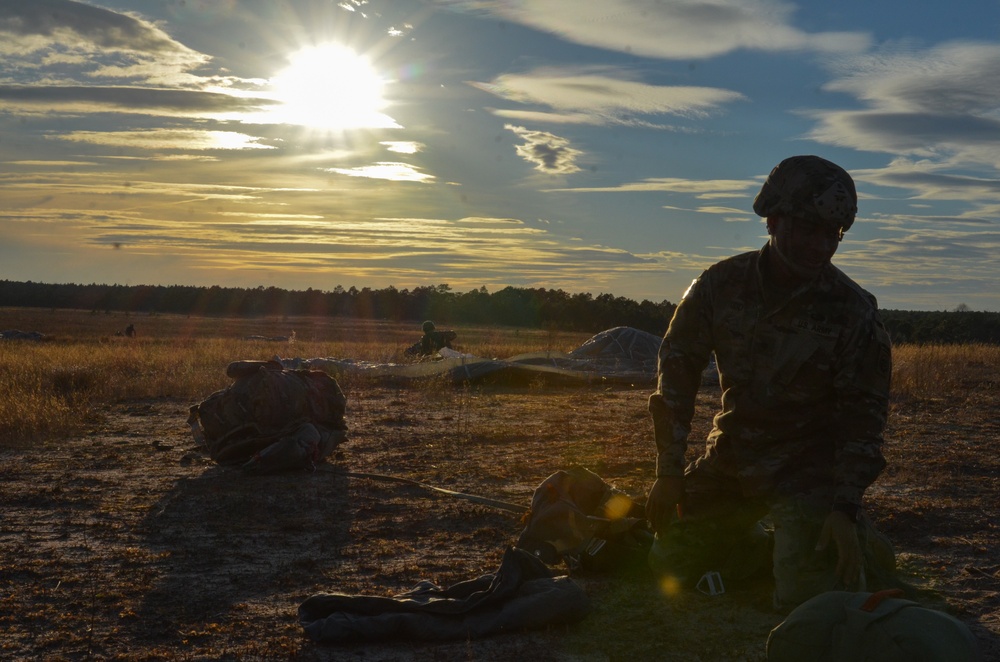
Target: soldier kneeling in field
(804, 365)
(433, 340)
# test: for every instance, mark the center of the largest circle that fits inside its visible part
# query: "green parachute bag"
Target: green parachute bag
(841, 626)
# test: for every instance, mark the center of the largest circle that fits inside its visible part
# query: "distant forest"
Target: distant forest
(511, 306)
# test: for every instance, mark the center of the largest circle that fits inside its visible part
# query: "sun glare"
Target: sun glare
(330, 87)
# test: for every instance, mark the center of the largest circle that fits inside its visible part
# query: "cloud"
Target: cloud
(601, 95)
(53, 163)
(98, 41)
(550, 153)
(672, 29)
(76, 23)
(59, 57)
(397, 172)
(702, 188)
(402, 146)
(172, 102)
(929, 180)
(927, 255)
(941, 104)
(537, 116)
(187, 139)
(406, 251)
(952, 78)
(726, 211)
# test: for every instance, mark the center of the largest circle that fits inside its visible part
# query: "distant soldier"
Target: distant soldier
(432, 341)
(804, 365)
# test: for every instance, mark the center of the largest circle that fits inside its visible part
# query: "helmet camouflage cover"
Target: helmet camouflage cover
(811, 188)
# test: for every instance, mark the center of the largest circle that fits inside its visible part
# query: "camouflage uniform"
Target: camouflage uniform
(805, 385)
(434, 340)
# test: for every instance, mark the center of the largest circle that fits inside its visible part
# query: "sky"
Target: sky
(604, 147)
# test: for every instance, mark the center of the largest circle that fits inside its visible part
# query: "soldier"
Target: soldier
(433, 340)
(804, 366)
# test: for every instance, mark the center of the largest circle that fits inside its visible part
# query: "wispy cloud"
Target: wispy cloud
(702, 188)
(910, 259)
(938, 104)
(402, 146)
(158, 139)
(93, 99)
(602, 95)
(397, 172)
(930, 180)
(672, 29)
(465, 252)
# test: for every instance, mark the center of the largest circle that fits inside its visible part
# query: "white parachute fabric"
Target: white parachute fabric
(620, 356)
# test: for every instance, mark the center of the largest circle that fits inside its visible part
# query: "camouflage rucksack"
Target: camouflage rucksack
(578, 519)
(271, 419)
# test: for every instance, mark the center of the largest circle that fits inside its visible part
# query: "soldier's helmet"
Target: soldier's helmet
(427, 326)
(810, 188)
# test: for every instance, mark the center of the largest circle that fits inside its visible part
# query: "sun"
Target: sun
(330, 87)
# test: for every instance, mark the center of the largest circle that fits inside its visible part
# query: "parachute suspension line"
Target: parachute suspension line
(502, 505)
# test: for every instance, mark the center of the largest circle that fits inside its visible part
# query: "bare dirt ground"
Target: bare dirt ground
(128, 543)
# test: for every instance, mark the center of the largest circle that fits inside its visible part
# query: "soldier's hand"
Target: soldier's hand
(839, 528)
(661, 504)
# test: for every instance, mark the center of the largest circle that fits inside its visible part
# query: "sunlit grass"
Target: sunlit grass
(934, 370)
(58, 386)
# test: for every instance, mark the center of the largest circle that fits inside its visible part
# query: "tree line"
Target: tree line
(510, 306)
(960, 326)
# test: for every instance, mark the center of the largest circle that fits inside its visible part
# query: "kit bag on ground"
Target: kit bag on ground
(840, 626)
(578, 519)
(271, 419)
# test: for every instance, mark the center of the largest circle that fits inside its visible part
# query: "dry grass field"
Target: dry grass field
(120, 540)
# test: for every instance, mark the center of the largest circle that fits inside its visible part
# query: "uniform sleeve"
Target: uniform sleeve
(862, 409)
(683, 355)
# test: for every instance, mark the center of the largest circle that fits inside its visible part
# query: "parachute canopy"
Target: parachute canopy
(622, 355)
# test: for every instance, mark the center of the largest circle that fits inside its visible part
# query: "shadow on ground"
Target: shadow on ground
(225, 537)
